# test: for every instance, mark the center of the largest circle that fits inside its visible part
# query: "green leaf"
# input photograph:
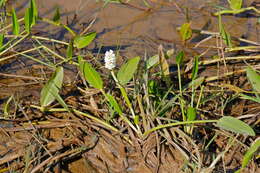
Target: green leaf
(90, 74)
(250, 152)
(28, 20)
(179, 58)
(52, 87)
(16, 26)
(191, 114)
(235, 125)
(2, 36)
(185, 31)
(196, 83)
(126, 72)
(58, 97)
(34, 12)
(246, 97)
(152, 61)
(56, 17)
(235, 4)
(195, 68)
(6, 107)
(224, 34)
(254, 78)
(112, 101)
(84, 40)
(69, 51)
(2, 3)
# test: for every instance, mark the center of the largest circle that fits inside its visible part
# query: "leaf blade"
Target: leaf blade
(84, 40)
(235, 125)
(126, 72)
(51, 88)
(90, 74)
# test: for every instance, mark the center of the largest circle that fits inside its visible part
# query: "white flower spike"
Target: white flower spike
(110, 60)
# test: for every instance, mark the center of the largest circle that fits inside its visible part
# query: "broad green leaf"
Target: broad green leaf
(69, 51)
(84, 40)
(191, 114)
(52, 87)
(16, 26)
(112, 101)
(235, 125)
(56, 17)
(152, 61)
(250, 152)
(185, 31)
(235, 4)
(126, 72)
(2, 36)
(195, 68)
(179, 58)
(90, 74)
(254, 78)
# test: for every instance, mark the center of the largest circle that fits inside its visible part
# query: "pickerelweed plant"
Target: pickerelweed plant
(144, 91)
(125, 74)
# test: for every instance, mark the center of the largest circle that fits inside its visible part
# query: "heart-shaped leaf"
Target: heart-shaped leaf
(81, 41)
(235, 125)
(52, 87)
(90, 74)
(126, 72)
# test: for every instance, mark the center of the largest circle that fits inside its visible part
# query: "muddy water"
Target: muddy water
(137, 29)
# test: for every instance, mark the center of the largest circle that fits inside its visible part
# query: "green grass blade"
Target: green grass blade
(34, 12)
(52, 87)
(126, 72)
(84, 40)
(235, 125)
(28, 20)
(114, 104)
(250, 152)
(15, 26)
(2, 36)
(195, 68)
(246, 97)
(90, 74)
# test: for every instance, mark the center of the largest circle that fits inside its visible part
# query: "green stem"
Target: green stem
(178, 123)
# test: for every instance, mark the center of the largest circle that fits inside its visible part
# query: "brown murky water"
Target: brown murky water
(137, 29)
